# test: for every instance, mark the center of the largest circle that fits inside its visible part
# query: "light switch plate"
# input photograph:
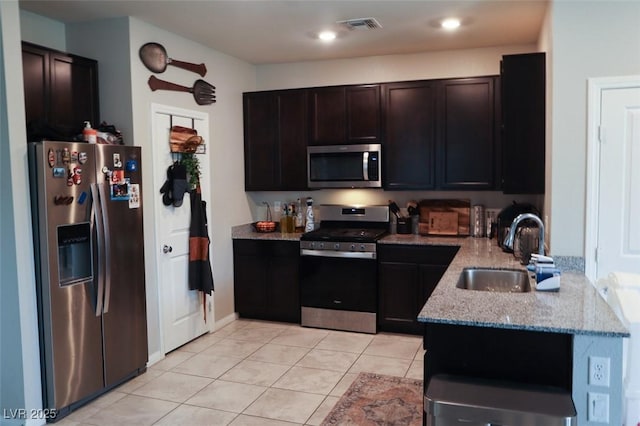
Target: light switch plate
(598, 410)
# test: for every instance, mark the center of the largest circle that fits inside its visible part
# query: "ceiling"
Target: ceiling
(273, 31)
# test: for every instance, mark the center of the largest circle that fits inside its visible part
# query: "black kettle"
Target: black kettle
(505, 219)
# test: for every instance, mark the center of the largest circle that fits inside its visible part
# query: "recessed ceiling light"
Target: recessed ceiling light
(327, 35)
(450, 23)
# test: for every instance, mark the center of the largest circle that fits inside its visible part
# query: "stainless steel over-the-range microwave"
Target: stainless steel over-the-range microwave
(344, 166)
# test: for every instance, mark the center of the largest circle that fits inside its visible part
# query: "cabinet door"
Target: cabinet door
(328, 115)
(409, 129)
(363, 114)
(466, 134)
(250, 267)
(265, 277)
(523, 114)
(275, 132)
(250, 285)
(344, 115)
(260, 150)
(398, 297)
(35, 74)
(429, 276)
(284, 293)
(291, 135)
(74, 93)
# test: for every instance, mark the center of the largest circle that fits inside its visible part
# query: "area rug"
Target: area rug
(375, 399)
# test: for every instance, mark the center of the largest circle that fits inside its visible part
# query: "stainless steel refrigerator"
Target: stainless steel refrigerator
(89, 251)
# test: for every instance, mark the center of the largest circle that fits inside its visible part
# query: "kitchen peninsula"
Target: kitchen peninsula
(539, 337)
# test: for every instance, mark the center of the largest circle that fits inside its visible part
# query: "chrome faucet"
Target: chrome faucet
(508, 240)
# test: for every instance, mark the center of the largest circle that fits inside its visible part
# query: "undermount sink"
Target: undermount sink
(496, 280)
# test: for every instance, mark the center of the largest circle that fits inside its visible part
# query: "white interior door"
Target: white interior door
(181, 309)
(618, 240)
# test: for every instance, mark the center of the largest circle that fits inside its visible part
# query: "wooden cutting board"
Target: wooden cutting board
(460, 206)
(443, 223)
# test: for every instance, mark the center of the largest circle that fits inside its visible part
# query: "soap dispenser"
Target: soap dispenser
(89, 134)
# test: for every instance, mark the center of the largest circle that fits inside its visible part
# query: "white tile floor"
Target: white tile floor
(253, 373)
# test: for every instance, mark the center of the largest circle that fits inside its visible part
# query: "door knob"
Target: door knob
(167, 249)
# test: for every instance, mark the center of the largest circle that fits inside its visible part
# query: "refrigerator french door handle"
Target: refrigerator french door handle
(96, 217)
(107, 247)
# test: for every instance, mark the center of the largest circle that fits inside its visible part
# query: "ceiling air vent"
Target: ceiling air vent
(361, 24)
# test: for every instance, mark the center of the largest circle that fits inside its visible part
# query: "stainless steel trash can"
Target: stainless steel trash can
(458, 401)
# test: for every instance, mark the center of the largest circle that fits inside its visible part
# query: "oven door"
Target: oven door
(338, 283)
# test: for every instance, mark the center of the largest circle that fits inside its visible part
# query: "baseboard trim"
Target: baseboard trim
(226, 320)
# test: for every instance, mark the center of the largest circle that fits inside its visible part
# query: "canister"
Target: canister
(478, 221)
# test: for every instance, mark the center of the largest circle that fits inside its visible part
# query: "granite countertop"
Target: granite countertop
(576, 309)
(246, 232)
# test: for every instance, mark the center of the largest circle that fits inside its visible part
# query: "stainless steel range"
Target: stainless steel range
(338, 273)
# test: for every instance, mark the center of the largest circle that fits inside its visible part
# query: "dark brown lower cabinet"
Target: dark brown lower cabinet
(407, 275)
(498, 354)
(266, 279)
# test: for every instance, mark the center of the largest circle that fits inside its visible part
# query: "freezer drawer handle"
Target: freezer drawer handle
(167, 249)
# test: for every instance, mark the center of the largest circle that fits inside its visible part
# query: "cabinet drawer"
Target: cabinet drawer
(266, 248)
(426, 255)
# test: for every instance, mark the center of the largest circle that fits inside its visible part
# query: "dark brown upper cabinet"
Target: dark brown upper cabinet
(466, 134)
(275, 136)
(60, 90)
(523, 120)
(344, 115)
(410, 131)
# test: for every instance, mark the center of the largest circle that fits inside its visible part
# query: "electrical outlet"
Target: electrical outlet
(598, 410)
(599, 371)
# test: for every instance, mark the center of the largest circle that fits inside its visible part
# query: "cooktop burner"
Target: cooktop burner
(345, 234)
(354, 224)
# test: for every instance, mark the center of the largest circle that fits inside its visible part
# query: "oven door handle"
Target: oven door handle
(343, 254)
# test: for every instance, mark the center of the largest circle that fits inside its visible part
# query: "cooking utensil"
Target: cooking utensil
(154, 57)
(203, 92)
(412, 208)
(394, 208)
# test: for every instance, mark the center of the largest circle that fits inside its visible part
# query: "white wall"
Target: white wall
(378, 69)
(590, 39)
(229, 204)
(40, 30)
(19, 350)
(107, 41)
(545, 44)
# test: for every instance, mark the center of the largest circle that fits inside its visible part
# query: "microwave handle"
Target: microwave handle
(365, 165)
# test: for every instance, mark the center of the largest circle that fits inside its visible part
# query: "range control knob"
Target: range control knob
(353, 247)
(361, 247)
(312, 245)
(336, 246)
(321, 246)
